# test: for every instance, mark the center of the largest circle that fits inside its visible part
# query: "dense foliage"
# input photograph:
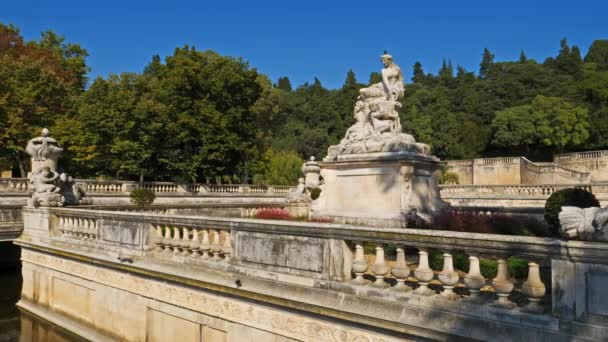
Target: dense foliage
(200, 116)
(566, 197)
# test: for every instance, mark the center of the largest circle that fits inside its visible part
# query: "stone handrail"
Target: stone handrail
(298, 249)
(21, 185)
(499, 160)
(581, 155)
(544, 190)
(551, 168)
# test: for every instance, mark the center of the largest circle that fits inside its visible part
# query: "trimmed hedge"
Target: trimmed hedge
(142, 197)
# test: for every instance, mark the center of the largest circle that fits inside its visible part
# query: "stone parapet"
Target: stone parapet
(309, 268)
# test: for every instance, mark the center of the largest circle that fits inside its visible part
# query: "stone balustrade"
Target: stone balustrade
(20, 185)
(542, 190)
(193, 242)
(581, 155)
(14, 184)
(499, 160)
(373, 267)
(79, 228)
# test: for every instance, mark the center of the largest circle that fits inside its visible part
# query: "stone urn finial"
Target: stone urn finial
(312, 172)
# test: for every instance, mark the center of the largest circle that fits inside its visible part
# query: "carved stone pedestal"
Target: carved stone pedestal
(379, 189)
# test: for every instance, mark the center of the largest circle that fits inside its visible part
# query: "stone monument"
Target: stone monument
(378, 175)
(48, 187)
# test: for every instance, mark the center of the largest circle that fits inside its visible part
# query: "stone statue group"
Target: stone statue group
(48, 187)
(378, 126)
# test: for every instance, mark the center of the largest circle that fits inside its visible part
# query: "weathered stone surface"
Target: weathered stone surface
(378, 189)
(274, 251)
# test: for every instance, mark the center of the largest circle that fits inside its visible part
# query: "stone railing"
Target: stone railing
(14, 184)
(543, 190)
(499, 160)
(20, 185)
(553, 169)
(390, 266)
(581, 155)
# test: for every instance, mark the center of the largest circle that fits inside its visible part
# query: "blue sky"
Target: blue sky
(307, 39)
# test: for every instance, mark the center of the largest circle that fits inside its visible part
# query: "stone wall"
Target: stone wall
(593, 162)
(519, 170)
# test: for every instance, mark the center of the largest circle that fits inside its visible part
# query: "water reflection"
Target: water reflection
(18, 326)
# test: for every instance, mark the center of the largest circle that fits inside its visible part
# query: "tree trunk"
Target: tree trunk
(22, 166)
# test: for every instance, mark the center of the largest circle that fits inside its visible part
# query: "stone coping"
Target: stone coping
(382, 156)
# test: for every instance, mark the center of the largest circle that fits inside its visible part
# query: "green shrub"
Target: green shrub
(448, 177)
(566, 197)
(142, 197)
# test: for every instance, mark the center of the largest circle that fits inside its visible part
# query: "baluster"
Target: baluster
(216, 247)
(533, 288)
(62, 225)
(167, 240)
(205, 246)
(448, 277)
(158, 238)
(380, 268)
(401, 271)
(185, 244)
(68, 227)
(176, 241)
(503, 286)
(195, 245)
(227, 245)
(78, 227)
(86, 228)
(424, 274)
(474, 280)
(359, 265)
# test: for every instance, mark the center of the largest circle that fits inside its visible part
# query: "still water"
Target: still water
(14, 324)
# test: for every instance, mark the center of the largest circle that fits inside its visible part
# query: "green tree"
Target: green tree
(487, 62)
(598, 54)
(514, 127)
(280, 168)
(418, 73)
(40, 83)
(284, 84)
(559, 123)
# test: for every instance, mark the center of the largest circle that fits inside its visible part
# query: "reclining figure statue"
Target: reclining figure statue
(589, 224)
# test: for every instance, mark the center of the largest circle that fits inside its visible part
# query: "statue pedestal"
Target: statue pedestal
(378, 189)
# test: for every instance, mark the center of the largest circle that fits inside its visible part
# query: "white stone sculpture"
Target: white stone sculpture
(589, 224)
(299, 194)
(378, 127)
(49, 188)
